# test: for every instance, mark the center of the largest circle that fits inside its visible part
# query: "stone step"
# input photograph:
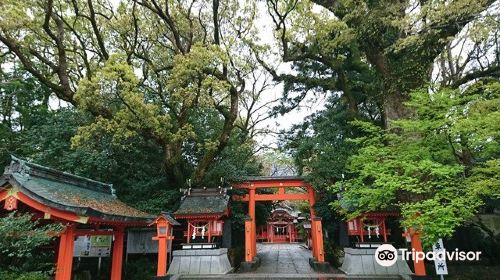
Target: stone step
(247, 276)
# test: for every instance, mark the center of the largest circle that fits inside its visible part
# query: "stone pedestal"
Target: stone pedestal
(202, 261)
(323, 267)
(250, 266)
(362, 262)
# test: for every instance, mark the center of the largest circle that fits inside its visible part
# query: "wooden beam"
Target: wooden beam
(82, 232)
(65, 215)
(3, 194)
(273, 197)
(272, 184)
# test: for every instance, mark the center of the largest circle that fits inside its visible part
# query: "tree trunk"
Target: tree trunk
(173, 163)
(348, 97)
(394, 108)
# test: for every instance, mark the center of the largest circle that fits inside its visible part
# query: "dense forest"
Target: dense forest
(155, 95)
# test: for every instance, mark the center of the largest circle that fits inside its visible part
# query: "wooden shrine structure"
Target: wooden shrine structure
(281, 227)
(370, 231)
(203, 211)
(303, 191)
(201, 214)
(370, 227)
(83, 206)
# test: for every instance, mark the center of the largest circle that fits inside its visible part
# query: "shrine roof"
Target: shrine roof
(68, 192)
(271, 178)
(203, 201)
(168, 216)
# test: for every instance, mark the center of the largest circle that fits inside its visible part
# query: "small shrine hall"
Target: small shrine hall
(370, 228)
(202, 213)
(83, 206)
(281, 227)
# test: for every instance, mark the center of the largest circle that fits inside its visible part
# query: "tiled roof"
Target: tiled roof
(203, 201)
(169, 218)
(270, 178)
(69, 192)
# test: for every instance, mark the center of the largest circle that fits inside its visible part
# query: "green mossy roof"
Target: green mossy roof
(69, 192)
(208, 201)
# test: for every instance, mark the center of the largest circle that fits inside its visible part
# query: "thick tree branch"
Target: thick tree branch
(492, 71)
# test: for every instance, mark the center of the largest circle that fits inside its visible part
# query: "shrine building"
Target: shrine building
(84, 207)
(206, 234)
(281, 227)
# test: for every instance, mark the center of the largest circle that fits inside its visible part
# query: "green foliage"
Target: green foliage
(143, 70)
(23, 104)
(20, 237)
(115, 89)
(436, 167)
(133, 163)
(321, 149)
(23, 276)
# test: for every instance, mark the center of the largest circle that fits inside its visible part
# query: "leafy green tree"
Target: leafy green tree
(367, 57)
(438, 169)
(374, 52)
(23, 104)
(142, 68)
(19, 239)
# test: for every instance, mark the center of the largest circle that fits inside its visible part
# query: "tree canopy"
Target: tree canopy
(143, 68)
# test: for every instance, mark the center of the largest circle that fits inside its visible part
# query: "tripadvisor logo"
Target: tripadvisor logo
(387, 255)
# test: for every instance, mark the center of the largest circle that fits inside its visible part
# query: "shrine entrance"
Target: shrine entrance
(302, 191)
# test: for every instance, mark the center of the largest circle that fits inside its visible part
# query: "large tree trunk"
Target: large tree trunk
(348, 97)
(393, 98)
(173, 163)
(394, 108)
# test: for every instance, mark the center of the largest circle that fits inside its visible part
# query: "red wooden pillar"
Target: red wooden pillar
(248, 240)
(209, 231)
(318, 242)
(385, 231)
(161, 269)
(416, 244)
(61, 252)
(271, 233)
(312, 202)
(289, 233)
(362, 233)
(251, 213)
(117, 257)
(65, 254)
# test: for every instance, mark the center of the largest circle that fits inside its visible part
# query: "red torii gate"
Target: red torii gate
(253, 183)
